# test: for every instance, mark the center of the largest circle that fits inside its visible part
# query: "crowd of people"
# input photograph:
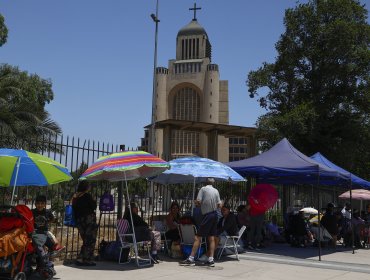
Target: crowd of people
(214, 221)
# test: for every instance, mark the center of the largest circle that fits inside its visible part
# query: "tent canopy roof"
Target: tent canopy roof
(356, 181)
(285, 164)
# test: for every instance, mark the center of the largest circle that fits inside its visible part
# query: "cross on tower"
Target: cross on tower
(195, 10)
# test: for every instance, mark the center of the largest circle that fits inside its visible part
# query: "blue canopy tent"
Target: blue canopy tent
(355, 180)
(284, 164)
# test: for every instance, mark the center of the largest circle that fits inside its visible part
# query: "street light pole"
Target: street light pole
(152, 144)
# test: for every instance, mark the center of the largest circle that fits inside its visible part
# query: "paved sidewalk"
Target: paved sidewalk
(278, 262)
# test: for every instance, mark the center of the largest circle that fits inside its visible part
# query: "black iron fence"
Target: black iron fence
(154, 200)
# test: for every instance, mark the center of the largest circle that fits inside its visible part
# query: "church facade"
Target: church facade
(192, 105)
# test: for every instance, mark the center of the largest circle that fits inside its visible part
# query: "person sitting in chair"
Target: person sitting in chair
(142, 231)
(227, 226)
(172, 222)
(300, 230)
(274, 230)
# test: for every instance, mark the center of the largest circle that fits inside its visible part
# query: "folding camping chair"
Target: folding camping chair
(162, 228)
(234, 245)
(187, 236)
(128, 240)
(321, 234)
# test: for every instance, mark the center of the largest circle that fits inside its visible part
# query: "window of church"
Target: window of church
(210, 104)
(210, 116)
(182, 49)
(211, 92)
(186, 107)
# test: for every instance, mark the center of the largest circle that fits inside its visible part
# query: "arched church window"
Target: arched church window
(186, 106)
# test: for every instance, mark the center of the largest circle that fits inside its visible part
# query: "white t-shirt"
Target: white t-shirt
(209, 199)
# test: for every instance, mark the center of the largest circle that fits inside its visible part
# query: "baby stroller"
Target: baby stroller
(16, 249)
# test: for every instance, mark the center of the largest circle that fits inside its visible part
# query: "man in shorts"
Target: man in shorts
(209, 200)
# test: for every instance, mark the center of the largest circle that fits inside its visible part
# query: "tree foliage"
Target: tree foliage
(22, 103)
(3, 31)
(23, 97)
(317, 92)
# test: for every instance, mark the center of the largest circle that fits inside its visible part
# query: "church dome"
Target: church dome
(193, 28)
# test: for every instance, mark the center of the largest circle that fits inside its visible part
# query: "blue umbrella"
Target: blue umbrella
(195, 170)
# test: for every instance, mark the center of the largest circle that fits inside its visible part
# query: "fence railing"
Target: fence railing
(154, 200)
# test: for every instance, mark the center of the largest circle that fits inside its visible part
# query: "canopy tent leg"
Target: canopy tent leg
(352, 227)
(319, 214)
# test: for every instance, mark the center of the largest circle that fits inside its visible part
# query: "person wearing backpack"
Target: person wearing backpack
(84, 207)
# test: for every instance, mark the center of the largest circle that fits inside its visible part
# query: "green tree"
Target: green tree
(23, 98)
(3, 31)
(317, 92)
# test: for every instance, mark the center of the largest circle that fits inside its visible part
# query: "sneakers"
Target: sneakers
(210, 263)
(187, 262)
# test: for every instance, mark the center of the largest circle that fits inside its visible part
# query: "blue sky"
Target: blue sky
(99, 55)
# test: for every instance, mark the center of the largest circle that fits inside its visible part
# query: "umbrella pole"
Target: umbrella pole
(15, 180)
(192, 198)
(132, 222)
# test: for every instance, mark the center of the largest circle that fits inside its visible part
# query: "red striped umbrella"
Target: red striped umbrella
(125, 166)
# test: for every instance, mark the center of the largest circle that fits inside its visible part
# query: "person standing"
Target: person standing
(209, 200)
(255, 238)
(330, 222)
(84, 207)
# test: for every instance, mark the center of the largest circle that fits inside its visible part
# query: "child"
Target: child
(42, 217)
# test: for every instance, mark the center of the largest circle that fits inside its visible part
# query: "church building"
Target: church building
(192, 105)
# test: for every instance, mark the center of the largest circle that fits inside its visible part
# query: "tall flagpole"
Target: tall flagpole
(152, 142)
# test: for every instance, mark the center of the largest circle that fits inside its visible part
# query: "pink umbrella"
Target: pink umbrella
(262, 197)
(358, 194)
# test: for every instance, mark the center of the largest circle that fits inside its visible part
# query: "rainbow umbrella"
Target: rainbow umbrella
(126, 166)
(23, 168)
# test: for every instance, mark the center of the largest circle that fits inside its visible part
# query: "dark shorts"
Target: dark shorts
(208, 226)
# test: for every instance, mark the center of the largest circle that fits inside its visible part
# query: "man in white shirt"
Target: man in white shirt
(209, 200)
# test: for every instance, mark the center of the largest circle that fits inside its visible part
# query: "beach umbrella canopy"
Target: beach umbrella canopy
(262, 197)
(309, 210)
(125, 166)
(358, 194)
(23, 168)
(196, 170)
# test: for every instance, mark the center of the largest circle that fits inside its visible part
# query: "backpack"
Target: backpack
(106, 202)
(111, 250)
(13, 241)
(69, 218)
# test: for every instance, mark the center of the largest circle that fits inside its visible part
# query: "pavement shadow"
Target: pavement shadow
(108, 265)
(284, 249)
